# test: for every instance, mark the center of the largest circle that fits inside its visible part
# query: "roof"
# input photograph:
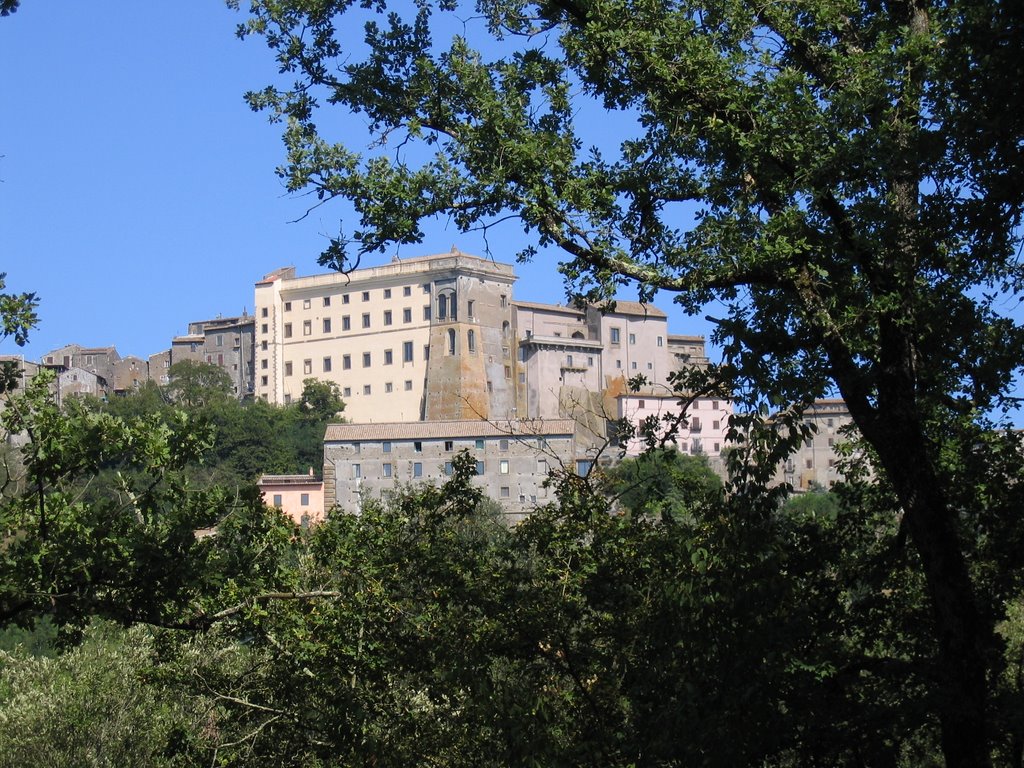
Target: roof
(633, 308)
(289, 480)
(676, 338)
(548, 308)
(415, 430)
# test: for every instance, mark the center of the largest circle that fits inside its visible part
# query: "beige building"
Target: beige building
(513, 459)
(702, 432)
(815, 463)
(423, 338)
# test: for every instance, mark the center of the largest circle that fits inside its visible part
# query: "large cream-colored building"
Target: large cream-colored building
(416, 339)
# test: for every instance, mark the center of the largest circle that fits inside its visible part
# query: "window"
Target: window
(829, 423)
(426, 287)
(263, 345)
(471, 342)
(388, 357)
(583, 467)
(632, 338)
(264, 328)
(504, 491)
(287, 330)
(346, 392)
(831, 442)
(388, 388)
(288, 368)
(451, 341)
(327, 301)
(809, 464)
(448, 468)
(634, 365)
(504, 301)
(716, 424)
(479, 468)
(417, 469)
(346, 362)
(386, 446)
(505, 329)
(408, 385)
(264, 364)
(714, 405)
(650, 366)
(426, 312)
(344, 299)
(263, 380)
(357, 471)
(366, 360)
(305, 303)
(442, 307)
(327, 325)
(505, 353)
(407, 352)
(366, 320)
(387, 470)
(407, 315)
(479, 444)
(366, 295)
(449, 445)
(307, 327)
(307, 367)
(407, 290)
(470, 305)
(417, 447)
(426, 351)
(568, 360)
(367, 389)
(263, 313)
(287, 306)
(304, 499)
(277, 499)
(503, 444)
(508, 372)
(641, 404)
(661, 341)
(387, 293)
(327, 365)
(718, 447)
(503, 466)
(346, 323)
(522, 378)
(615, 335)
(387, 317)
(542, 467)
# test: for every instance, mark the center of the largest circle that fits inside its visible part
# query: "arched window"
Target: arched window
(471, 342)
(442, 306)
(578, 335)
(505, 328)
(451, 341)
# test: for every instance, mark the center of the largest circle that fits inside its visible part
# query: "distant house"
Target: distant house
(301, 497)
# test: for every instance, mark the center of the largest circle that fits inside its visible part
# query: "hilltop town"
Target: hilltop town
(436, 354)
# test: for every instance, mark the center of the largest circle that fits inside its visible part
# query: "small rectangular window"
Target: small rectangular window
(366, 359)
(305, 303)
(449, 445)
(417, 447)
(387, 293)
(417, 469)
(327, 365)
(504, 301)
(344, 299)
(615, 335)
(304, 499)
(408, 385)
(503, 466)
(504, 492)
(346, 392)
(263, 381)
(386, 446)
(367, 389)
(366, 320)
(307, 327)
(479, 444)
(661, 341)
(327, 325)
(287, 306)
(387, 470)
(407, 352)
(407, 315)
(346, 323)
(388, 388)
(503, 444)
(448, 468)
(327, 301)
(346, 362)
(263, 313)
(357, 471)
(426, 312)
(479, 468)
(307, 367)
(264, 364)
(387, 317)
(632, 338)
(287, 330)
(366, 295)
(277, 499)
(288, 368)
(388, 357)
(264, 328)
(407, 290)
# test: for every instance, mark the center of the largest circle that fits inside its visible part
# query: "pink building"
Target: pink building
(702, 432)
(301, 497)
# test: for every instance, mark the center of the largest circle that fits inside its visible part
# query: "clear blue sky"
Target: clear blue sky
(137, 189)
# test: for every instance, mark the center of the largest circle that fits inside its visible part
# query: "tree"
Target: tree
(321, 400)
(664, 483)
(842, 176)
(194, 385)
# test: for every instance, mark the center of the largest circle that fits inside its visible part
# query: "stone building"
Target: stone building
(100, 361)
(514, 459)
(227, 342)
(815, 463)
(422, 338)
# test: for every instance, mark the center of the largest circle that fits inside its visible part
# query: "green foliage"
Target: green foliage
(664, 484)
(96, 706)
(321, 400)
(195, 385)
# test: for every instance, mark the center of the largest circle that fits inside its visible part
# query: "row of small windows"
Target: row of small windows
(449, 445)
(416, 468)
(327, 362)
(346, 298)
